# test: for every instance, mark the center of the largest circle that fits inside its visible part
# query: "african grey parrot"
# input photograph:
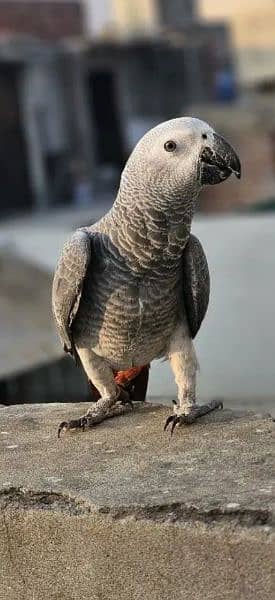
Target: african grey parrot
(134, 286)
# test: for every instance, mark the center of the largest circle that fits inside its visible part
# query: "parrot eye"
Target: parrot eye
(170, 146)
(204, 136)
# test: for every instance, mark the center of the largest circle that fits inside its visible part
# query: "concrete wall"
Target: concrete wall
(175, 13)
(43, 104)
(121, 511)
(135, 16)
(44, 121)
(120, 17)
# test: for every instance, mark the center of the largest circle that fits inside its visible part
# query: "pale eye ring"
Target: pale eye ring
(170, 146)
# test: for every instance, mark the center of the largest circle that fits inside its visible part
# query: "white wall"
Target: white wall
(98, 15)
(125, 17)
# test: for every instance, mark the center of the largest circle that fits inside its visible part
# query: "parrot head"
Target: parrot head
(180, 156)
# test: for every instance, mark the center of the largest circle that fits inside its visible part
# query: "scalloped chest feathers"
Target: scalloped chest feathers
(125, 316)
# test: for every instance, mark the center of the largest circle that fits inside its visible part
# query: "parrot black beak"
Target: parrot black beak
(218, 162)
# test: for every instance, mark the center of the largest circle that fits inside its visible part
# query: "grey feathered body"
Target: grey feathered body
(131, 299)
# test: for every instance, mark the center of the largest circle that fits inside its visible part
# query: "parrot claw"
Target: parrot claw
(168, 421)
(175, 420)
(72, 424)
(196, 412)
(125, 397)
(98, 413)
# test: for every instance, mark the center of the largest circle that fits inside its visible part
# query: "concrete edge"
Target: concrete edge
(21, 499)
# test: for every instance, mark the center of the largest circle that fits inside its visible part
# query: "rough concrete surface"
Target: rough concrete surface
(123, 511)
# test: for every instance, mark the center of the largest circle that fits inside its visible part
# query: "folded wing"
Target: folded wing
(196, 284)
(68, 285)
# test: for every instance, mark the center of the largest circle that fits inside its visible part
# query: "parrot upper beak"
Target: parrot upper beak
(218, 161)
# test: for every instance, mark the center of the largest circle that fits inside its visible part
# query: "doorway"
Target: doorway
(14, 179)
(106, 122)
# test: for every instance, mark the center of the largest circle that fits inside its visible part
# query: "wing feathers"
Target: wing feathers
(196, 284)
(68, 284)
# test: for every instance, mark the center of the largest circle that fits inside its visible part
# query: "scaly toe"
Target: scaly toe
(72, 424)
(96, 415)
(196, 412)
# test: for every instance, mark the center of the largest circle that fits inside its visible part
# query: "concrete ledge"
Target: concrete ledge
(122, 511)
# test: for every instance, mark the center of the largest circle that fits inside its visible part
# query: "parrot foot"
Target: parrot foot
(103, 409)
(195, 412)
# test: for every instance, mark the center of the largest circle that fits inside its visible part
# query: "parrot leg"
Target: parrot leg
(114, 399)
(184, 365)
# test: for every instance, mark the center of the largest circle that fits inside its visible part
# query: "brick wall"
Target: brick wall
(44, 19)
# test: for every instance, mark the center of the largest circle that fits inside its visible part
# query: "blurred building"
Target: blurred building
(80, 82)
(250, 124)
(34, 141)
(139, 63)
(252, 25)
(128, 18)
(248, 127)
